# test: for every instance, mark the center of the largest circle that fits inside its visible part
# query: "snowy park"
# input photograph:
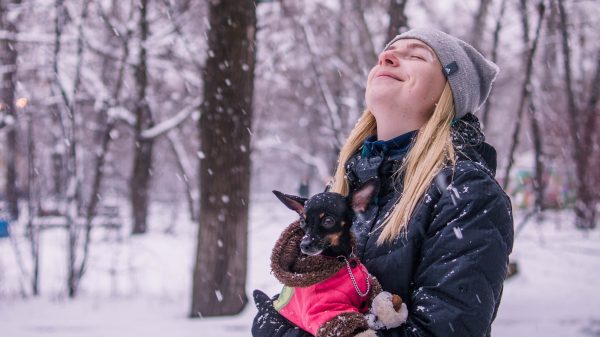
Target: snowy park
(141, 140)
(553, 294)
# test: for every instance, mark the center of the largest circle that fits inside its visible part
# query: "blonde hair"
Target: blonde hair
(431, 151)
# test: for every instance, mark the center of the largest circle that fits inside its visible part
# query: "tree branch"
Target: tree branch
(168, 124)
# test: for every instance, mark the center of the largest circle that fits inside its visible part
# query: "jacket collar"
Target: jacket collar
(467, 137)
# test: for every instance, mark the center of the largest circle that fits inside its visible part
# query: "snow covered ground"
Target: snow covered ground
(140, 286)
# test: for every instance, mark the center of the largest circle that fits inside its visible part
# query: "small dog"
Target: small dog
(327, 290)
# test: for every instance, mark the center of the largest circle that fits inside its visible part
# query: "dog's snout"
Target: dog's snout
(306, 242)
(311, 245)
(304, 245)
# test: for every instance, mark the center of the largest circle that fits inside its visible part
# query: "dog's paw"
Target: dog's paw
(388, 311)
(366, 333)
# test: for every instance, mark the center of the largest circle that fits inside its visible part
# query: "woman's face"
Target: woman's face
(406, 82)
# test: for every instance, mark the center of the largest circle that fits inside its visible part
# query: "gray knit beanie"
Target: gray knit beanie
(469, 73)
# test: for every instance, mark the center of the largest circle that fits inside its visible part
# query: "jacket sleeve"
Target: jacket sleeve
(464, 258)
(269, 323)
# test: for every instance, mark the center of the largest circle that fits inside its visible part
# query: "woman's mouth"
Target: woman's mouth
(390, 75)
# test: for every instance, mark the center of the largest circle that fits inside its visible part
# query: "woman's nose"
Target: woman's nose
(388, 58)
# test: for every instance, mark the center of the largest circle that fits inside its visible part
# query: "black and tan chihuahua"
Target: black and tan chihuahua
(326, 218)
(325, 231)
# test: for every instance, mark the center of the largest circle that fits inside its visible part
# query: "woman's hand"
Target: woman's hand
(269, 323)
(387, 311)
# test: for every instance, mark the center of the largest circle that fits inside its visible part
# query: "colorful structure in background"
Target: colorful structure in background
(4, 223)
(559, 191)
(3, 215)
(3, 228)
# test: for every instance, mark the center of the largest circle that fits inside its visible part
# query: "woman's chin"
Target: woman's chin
(382, 100)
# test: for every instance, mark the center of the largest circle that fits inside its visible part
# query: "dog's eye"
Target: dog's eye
(328, 222)
(302, 223)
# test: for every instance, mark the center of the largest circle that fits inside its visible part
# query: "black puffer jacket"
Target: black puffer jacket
(451, 265)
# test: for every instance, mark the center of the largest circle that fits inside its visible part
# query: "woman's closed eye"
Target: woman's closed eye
(417, 57)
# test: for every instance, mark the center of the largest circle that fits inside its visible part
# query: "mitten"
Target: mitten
(387, 311)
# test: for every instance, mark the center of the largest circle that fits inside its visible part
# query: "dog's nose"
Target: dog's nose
(304, 244)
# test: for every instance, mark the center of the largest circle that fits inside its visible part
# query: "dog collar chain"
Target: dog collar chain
(360, 293)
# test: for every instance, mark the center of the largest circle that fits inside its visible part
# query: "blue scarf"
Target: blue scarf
(398, 145)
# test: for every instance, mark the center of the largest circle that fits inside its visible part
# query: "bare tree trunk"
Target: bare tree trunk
(185, 168)
(587, 176)
(591, 134)
(142, 158)
(68, 125)
(526, 89)
(398, 19)
(479, 23)
(32, 232)
(539, 185)
(371, 51)
(224, 127)
(65, 125)
(105, 140)
(338, 92)
(8, 81)
(488, 103)
(585, 206)
(74, 184)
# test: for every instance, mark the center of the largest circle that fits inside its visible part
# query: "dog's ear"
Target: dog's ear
(361, 198)
(291, 201)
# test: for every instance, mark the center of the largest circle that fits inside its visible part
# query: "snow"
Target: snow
(458, 232)
(122, 114)
(555, 292)
(140, 286)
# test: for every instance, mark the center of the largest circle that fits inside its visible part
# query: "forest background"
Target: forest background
(157, 123)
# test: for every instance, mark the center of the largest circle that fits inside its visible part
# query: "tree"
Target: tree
(398, 18)
(224, 126)
(8, 81)
(479, 24)
(142, 158)
(525, 100)
(582, 122)
(494, 55)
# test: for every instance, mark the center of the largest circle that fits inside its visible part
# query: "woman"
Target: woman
(440, 232)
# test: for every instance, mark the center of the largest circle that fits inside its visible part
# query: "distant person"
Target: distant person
(303, 189)
(440, 230)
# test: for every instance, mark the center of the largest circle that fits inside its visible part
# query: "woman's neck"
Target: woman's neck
(391, 125)
(386, 132)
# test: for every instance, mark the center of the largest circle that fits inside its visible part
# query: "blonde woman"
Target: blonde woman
(440, 231)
